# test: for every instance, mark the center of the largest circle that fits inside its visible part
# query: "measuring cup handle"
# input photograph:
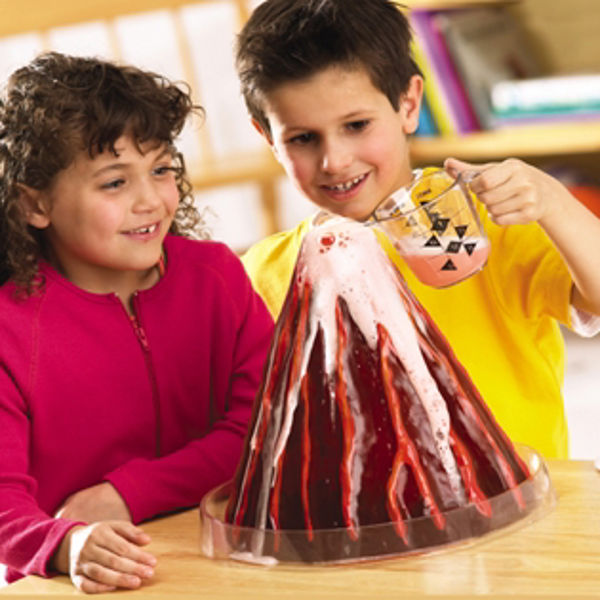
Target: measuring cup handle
(468, 176)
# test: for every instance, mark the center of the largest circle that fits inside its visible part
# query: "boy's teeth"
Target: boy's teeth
(344, 187)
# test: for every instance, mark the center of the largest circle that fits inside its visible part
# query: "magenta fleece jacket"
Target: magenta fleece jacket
(160, 411)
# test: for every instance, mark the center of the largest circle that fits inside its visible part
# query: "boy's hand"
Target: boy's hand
(105, 556)
(100, 502)
(512, 191)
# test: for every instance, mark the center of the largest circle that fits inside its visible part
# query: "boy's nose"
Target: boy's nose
(336, 157)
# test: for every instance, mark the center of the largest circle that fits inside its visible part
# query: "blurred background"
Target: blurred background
(240, 186)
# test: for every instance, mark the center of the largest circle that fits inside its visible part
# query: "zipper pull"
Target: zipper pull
(141, 334)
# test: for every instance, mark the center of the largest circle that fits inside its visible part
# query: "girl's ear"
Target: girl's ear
(410, 104)
(35, 206)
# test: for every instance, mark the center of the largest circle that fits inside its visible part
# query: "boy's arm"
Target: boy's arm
(270, 265)
(517, 193)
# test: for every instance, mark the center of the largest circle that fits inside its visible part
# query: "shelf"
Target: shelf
(526, 141)
(30, 15)
(448, 4)
(531, 141)
(40, 15)
(258, 167)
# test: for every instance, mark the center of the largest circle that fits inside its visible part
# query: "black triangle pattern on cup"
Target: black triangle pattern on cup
(470, 247)
(449, 266)
(440, 224)
(433, 242)
(461, 230)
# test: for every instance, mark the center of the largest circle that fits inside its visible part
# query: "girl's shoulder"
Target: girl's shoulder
(179, 247)
(18, 321)
(14, 302)
(204, 258)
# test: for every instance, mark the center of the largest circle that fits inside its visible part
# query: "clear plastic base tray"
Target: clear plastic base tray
(532, 499)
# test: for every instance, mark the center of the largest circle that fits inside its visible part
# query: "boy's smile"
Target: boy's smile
(340, 139)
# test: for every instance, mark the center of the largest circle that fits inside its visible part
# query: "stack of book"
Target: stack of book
(562, 97)
(482, 72)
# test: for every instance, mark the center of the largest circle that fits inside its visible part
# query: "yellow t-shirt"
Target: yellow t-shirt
(502, 323)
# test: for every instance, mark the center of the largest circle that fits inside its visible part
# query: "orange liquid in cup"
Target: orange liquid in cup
(435, 227)
(446, 268)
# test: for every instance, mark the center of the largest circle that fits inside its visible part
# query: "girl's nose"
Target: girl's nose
(336, 157)
(147, 198)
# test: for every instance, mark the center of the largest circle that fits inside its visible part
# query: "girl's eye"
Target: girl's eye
(302, 139)
(163, 170)
(357, 125)
(113, 185)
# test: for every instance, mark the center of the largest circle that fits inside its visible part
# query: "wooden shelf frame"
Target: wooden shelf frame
(40, 15)
(523, 141)
(577, 139)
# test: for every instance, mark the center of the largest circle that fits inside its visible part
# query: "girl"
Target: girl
(129, 353)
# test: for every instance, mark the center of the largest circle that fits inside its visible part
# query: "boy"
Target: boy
(332, 87)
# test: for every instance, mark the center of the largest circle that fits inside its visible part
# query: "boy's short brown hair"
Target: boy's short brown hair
(57, 106)
(288, 40)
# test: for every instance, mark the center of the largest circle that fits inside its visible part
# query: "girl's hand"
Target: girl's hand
(105, 556)
(513, 191)
(99, 502)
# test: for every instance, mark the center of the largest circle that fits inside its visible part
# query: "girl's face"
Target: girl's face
(106, 217)
(340, 139)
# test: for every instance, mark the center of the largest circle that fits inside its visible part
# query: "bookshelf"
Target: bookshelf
(40, 15)
(554, 24)
(449, 4)
(534, 141)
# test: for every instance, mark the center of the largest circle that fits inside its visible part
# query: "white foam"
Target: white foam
(342, 258)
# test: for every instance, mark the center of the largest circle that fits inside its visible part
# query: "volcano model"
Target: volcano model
(365, 416)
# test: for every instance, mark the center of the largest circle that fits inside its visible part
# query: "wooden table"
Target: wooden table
(557, 556)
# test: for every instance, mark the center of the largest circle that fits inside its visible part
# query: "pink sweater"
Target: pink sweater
(160, 412)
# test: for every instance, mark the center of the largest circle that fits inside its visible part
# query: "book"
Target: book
(426, 125)
(437, 101)
(547, 117)
(442, 69)
(566, 93)
(487, 45)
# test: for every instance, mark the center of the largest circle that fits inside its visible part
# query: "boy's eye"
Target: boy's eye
(357, 125)
(113, 184)
(302, 138)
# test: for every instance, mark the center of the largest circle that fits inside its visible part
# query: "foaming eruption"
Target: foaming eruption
(365, 416)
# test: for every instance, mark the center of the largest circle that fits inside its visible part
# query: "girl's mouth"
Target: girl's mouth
(146, 231)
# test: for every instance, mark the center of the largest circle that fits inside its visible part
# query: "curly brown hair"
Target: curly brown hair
(59, 105)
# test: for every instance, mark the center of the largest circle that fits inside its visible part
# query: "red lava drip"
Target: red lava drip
(354, 446)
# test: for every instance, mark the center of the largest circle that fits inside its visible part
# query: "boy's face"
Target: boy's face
(105, 217)
(340, 139)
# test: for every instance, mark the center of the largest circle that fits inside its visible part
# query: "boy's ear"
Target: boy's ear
(35, 206)
(262, 132)
(410, 104)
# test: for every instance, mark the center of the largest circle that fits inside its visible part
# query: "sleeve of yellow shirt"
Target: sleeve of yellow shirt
(270, 265)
